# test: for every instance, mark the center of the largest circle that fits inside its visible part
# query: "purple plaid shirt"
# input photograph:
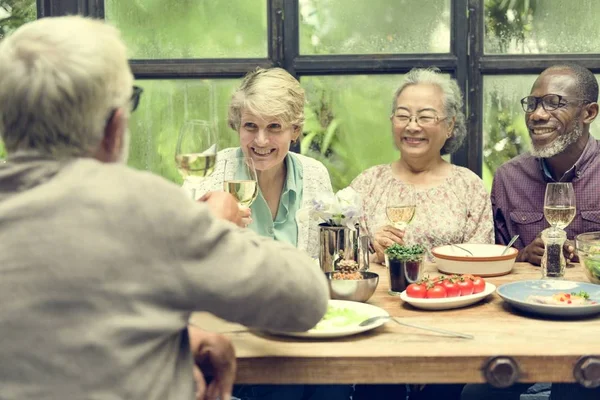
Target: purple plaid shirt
(518, 196)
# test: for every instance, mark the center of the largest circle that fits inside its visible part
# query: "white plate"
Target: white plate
(367, 309)
(448, 302)
(517, 293)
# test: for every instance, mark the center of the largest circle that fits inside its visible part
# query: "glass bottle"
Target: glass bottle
(553, 261)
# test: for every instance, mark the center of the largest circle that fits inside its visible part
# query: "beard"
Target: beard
(559, 144)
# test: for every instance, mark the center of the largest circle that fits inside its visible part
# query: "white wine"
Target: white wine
(195, 165)
(400, 216)
(559, 216)
(245, 191)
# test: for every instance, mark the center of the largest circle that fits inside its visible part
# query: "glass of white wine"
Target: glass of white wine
(559, 204)
(196, 151)
(401, 205)
(241, 180)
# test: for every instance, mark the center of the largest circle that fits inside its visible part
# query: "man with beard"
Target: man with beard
(558, 114)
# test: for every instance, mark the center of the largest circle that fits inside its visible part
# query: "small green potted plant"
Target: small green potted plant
(405, 265)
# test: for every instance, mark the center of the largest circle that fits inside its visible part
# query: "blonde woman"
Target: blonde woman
(267, 111)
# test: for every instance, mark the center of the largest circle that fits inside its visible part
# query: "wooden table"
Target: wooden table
(545, 350)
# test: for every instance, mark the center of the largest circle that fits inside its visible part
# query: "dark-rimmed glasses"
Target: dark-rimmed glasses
(423, 120)
(134, 101)
(135, 97)
(550, 102)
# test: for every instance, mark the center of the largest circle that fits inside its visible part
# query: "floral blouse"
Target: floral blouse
(457, 211)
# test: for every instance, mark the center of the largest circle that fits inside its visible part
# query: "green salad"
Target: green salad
(337, 317)
(592, 261)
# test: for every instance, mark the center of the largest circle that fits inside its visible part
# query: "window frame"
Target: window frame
(466, 62)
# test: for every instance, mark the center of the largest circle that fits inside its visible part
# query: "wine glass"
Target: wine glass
(400, 206)
(240, 180)
(559, 204)
(196, 151)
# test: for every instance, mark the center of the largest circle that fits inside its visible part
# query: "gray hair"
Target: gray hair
(452, 101)
(60, 79)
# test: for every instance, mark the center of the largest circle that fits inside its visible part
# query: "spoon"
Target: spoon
(512, 241)
(454, 245)
(371, 320)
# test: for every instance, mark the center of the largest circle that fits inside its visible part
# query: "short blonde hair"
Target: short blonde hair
(268, 93)
(60, 78)
(452, 101)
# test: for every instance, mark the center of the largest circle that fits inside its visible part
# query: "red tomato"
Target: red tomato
(466, 286)
(478, 284)
(436, 292)
(416, 290)
(452, 289)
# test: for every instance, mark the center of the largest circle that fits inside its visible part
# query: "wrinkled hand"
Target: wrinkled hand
(246, 214)
(384, 238)
(533, 253)
(225, 206)
(569, 251)
(214, 356)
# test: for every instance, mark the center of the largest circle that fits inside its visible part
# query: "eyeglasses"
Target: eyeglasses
(423, 120)
(550, 102)
(135, 97)
(134, 100)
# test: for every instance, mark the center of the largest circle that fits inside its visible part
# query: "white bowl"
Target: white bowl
(485, 261)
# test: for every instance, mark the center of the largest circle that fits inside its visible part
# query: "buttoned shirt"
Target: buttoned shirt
(283, 227)
(518, 196)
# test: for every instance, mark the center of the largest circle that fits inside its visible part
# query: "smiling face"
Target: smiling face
(412, 139)
(553, 131)
(265, 139)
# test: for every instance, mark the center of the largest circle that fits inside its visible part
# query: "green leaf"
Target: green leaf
(330, 134)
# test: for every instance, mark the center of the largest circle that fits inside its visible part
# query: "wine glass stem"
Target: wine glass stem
(193, 194)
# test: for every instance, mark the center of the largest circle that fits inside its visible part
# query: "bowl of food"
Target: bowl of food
(475, 259)
(587, 246)
(348, 283)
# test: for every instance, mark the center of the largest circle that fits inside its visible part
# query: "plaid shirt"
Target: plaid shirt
(519, 189)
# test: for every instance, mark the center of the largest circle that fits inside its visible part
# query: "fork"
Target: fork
(426, 328)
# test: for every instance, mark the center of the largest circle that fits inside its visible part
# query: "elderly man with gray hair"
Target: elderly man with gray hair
(102, 265)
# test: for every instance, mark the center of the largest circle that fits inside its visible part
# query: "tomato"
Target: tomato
(416, 290)
(436, 292)
(452, 289)
(478, 284)
(466, 286)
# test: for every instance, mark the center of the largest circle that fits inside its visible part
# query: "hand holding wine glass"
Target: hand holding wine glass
(559, 204)
(241, 182)
(196, 151)
(400, 206)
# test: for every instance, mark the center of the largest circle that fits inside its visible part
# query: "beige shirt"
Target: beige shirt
(102, 265)
(457, 211)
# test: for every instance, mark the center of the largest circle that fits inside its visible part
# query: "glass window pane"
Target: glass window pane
(376, 26)
(504, 132)
(12, 15)
(15, 13)
(347, 123)
(155, 29)
(165, 104)
(548, 26)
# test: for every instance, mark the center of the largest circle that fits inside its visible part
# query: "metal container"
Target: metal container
(342, 243)
(353, 290)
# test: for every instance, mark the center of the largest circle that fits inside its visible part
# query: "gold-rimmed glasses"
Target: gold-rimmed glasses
(423, 120)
